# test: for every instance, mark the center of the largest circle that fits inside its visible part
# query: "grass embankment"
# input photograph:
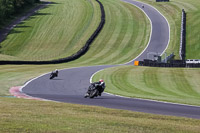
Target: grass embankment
(117, 36)
(18, 115)
(59, 30)
(11, 10)
(177, 85)
(13, 75)
(172, 11)
(124, 35)
(193, 30)
(192, 8)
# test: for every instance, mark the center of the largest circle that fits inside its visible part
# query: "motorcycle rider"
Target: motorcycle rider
(142, 6)
(100, 84)
(54, 73)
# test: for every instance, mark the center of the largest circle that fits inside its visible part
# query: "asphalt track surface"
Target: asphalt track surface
(72, 83)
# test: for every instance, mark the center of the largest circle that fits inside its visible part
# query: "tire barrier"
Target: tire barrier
(183, 36)
(193, 65)
(173, 63)
(75, 56)
(168, 58)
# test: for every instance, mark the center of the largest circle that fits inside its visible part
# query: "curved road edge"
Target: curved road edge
(139, 6)
(72, 83)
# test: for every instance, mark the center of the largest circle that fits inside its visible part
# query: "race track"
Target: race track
(72, 83)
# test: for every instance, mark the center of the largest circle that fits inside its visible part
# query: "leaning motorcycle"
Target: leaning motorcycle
(53, 75)
(94, 91)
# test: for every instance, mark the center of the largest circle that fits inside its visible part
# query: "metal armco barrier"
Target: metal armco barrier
(193, 65)
(174, 63)
(183, 36)
(75, 56)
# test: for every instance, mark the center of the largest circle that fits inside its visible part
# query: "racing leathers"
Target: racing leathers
(98, 85)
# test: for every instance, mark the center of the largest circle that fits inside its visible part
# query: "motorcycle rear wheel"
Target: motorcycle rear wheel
(93, 93)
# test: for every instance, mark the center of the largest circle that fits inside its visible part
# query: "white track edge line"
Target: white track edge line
(142, 53)
(150, 32)
(119, 64)
(21, 89)
(142, 98)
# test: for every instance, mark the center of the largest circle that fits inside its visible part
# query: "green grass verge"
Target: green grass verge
(18, 115)
(172, 11)
(164, 84)
(17, 75)
(124, 36)
(128, 37)
(57, 31)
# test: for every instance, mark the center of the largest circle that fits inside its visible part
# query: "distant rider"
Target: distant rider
(142, 6)
(99, 85)
(54, 73)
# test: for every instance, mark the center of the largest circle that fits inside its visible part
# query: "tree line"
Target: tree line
(11, 7)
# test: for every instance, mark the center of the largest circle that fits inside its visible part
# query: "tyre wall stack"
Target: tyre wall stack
(173, 63)
(183, 36)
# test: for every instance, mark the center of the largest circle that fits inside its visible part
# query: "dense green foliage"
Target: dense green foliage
(10, 7)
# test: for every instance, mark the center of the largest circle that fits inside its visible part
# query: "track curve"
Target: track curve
(72, 83)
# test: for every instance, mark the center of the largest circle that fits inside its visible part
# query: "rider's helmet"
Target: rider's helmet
(101, 80)
(56, 70)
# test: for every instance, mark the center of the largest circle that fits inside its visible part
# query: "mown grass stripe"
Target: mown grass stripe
(165, 84)
(79, 25)
(118, 35)
(101, 44)
(181, 83)
(153, 84)
(108, 50)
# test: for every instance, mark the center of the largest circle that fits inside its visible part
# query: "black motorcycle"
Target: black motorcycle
(93, 91)
(53, 75)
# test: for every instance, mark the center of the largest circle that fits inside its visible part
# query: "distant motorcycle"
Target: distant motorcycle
(142, 6)
(54, 74)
